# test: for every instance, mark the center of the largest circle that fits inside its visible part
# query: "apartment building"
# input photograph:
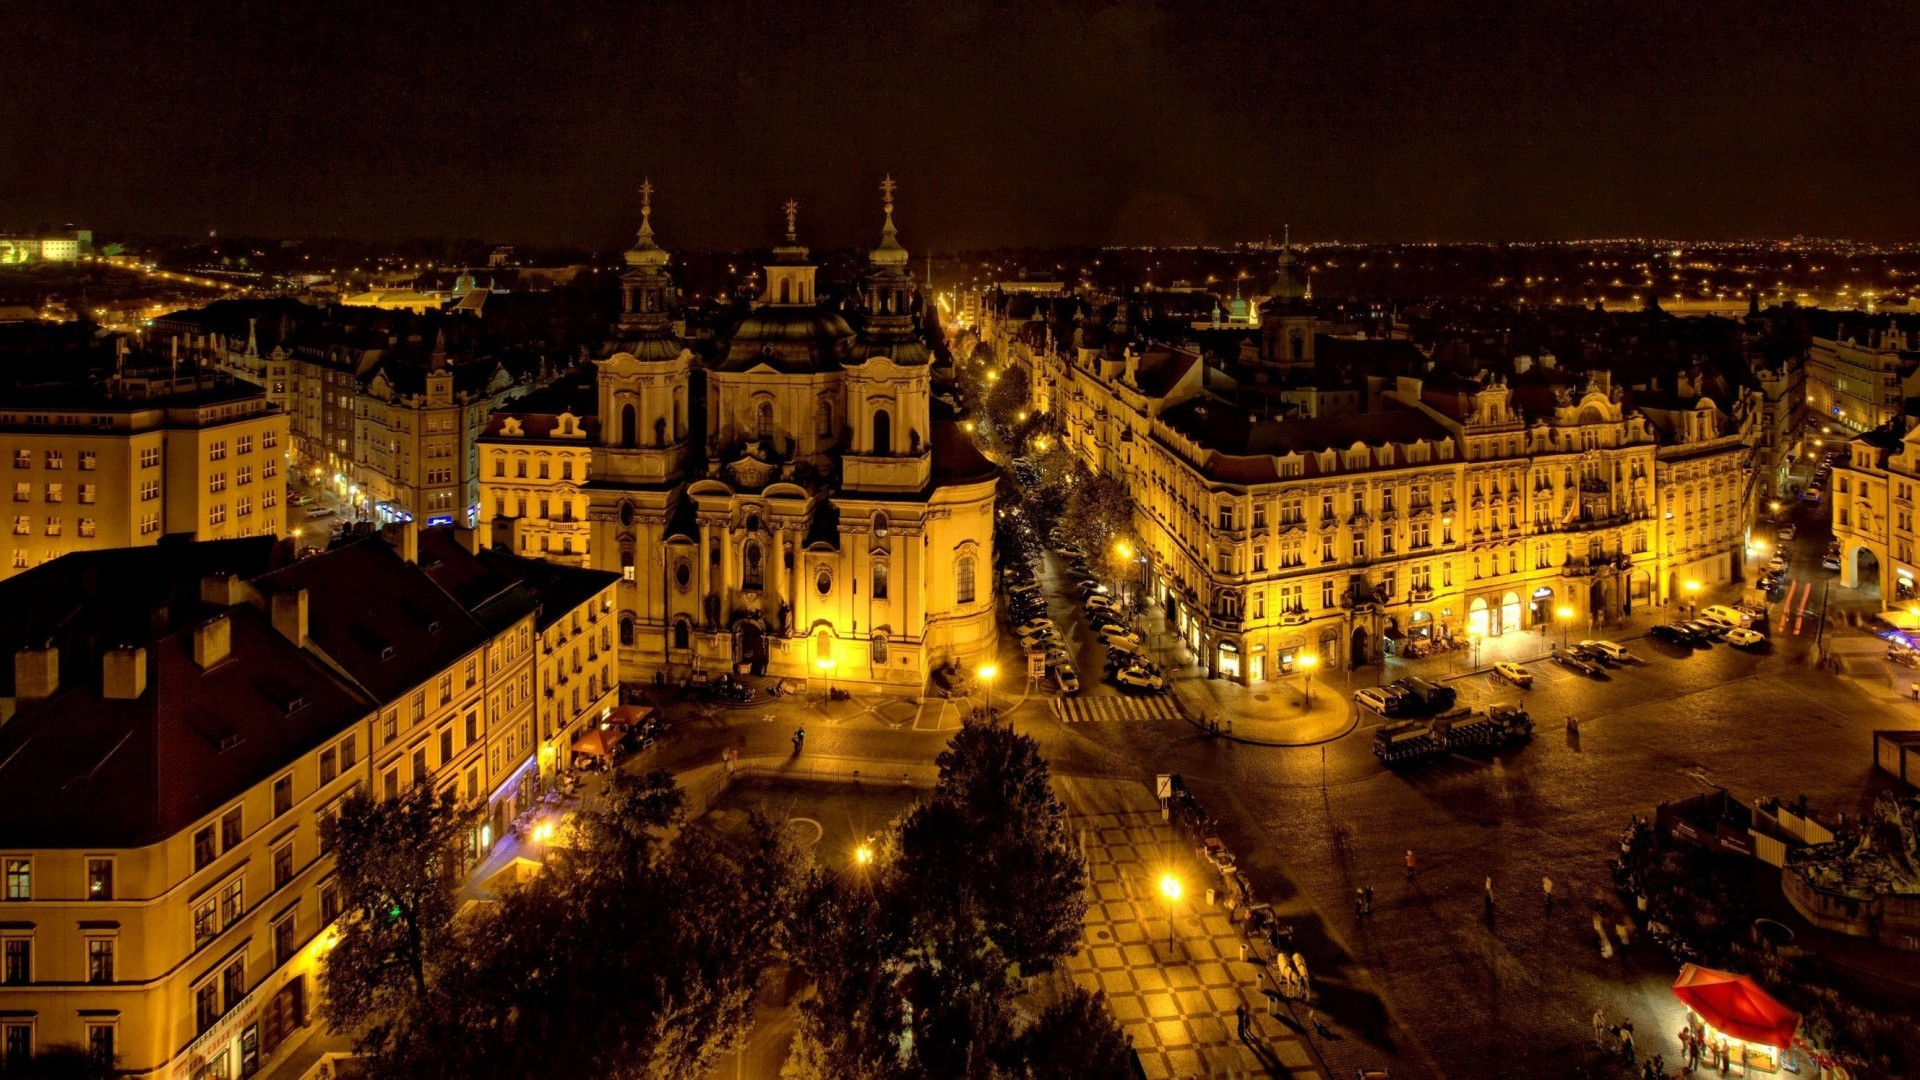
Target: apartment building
(535, 457)
(1450, 509)
(415, 425)
(179, 720)
(1863, 378)
(1872, 494)
(151, 452)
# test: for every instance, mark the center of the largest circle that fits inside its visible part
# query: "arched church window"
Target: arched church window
(823, 419)
(682, 634)
(882, 432)
(754, 574)
(763, 420)
(880, 580)
(880, 648)
(880, 525)
(626, 630)
(626, 564)
(963, 580)
(629, 427)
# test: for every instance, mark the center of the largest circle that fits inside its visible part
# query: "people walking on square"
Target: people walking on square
(1367, 891)
(1409, 864)
(1626, 1045)
(1241, 1013)
(1359, 904)
(1489, 896)
(1600, 1027)
(1546, 891)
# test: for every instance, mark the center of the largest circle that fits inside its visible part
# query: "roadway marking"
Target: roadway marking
(1077, 710)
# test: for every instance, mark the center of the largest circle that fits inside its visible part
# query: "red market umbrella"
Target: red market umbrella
(594, 742)
(1734, 1005)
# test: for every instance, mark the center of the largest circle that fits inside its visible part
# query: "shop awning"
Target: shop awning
(594, 742)
(1735, 1006)
(1906, 619)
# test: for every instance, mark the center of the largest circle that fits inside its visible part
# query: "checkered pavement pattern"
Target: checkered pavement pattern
(1178, 1008)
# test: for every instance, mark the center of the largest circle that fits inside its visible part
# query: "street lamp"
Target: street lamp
(1566, 618)
(863, 854)
(1473, 640)
(1693, 589)
(1170, 888)
(825, 664)
(986, 673)
(1307, 664)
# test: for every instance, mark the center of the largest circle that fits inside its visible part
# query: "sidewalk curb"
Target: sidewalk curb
(1352, 723)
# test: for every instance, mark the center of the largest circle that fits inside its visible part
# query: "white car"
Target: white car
(1513, 673)
(1830, 562)
(1097, 602)
(1612, 650)
(1112, 635)
(1067, 678)
(1786, 531)
(1744, 638)
(1028, 629)
(1070, 552)
(319, 511)
(1036, 642)
(1135, 679)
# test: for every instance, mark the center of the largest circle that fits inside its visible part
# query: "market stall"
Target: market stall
(1733, 1016)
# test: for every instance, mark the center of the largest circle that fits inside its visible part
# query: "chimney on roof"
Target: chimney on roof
(212, 641)
(410, 541)
(290, 615)
(36, 673)
(222, 590)
(123, 673)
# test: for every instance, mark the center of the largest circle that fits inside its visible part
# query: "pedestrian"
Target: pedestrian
(1409, 864)
(1489, 896)
(1359, 904)
(1599, 1027)
(1241, 1013)
(1546, 891)
(1368, 890)
(1626, 1045)
(1659, 1064)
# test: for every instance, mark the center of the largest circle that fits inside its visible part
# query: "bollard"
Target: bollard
(1209, 897)
(1243, 951)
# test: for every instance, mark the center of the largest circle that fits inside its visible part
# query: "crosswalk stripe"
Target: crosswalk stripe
(1112, 709)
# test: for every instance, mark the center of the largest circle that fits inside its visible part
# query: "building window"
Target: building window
(283, 795)
(269, 439)
(56, 460)
(16, 1045)
(53, 526)
(682, 633)
(244, 444)
(22, 525)
(763, 420)
(89, 494)
(56, 492)
(203, 850)
(99, 960)
(879, 647)
(963, 580)
(231, 830)
(149, 457)
(330, 903)
(100, 1044)
(627, 571)
(880, 581)
(282, 865)
(100, 879)
(328, 769)
(17, 970)
(349, 753)
(23, 459)
(217, 451)
(149, 524)
(446, 688)
(284, 942)
(217, 514)
(23, 493)
(206, 1005)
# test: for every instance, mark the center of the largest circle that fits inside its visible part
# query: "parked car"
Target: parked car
(1123, 655)
(1034, 626)
(1100, 619)
(1139, 681)
(1811, 495)
(1729, 615)
(319, 511)
(1786, 531)
(1070, 552)
(1830, 562)
(1067, 678)
(1742, 638)
(1513, 673)
(1099, 600)
(1673, 634)
(1376, 699)
(1577, 660)
(1607, 650)
(1113, 634)
(1707, 629)
(1037, 641)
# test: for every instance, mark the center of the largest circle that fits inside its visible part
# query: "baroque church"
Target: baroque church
(814, 513)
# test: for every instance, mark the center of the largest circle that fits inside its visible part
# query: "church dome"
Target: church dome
(789, 338)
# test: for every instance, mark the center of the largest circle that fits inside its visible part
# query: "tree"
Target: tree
(1075, 1036)
(398, 864)
(1099, 514)
(917, 963)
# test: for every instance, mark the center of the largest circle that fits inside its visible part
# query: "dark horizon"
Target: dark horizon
(1078, 123)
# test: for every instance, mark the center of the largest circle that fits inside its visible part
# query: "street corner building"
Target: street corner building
(784, 497)
(1307, 488)
(178, 721)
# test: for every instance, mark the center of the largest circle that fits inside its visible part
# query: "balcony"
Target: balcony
(1294, 616)
(1420, 593)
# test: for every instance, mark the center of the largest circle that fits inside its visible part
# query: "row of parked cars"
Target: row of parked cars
(1736, 624)
(1027, 611)
(1410, 696)
(1127, 665)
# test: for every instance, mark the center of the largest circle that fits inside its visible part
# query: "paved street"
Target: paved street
(1426, 984)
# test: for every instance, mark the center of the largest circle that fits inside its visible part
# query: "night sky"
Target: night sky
(1026, 123)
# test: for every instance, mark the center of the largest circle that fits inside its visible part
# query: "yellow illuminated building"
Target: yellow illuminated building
(149, 455)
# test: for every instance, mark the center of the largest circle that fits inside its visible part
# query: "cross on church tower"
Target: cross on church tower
(886, 194)
(646, 196)
(793, 215)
